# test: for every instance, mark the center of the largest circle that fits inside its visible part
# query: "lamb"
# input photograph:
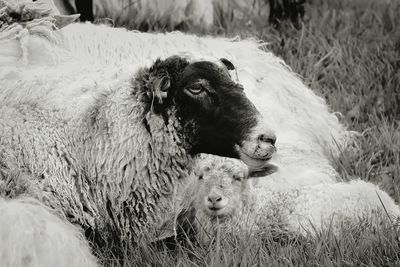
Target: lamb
(226, 200)
(220, 195)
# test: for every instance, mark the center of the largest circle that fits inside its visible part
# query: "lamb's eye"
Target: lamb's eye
(195, 89)
(201, 177)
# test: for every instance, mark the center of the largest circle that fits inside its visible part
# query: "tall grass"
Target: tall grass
(348, 51)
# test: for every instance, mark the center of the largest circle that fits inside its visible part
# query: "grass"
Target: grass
(348, 51)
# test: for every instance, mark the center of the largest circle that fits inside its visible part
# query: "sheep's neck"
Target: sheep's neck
(135, 162)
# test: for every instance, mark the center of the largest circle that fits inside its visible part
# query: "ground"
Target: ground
(347, 51)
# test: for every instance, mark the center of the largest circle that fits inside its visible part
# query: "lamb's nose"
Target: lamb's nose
(214, 198)
(267, 138)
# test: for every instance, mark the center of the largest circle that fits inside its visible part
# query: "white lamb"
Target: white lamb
(220, 195)
(228, 201)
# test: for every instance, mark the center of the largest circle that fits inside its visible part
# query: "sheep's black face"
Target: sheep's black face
(214, 108)
(215, 114)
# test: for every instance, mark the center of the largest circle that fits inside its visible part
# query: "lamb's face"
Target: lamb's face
(221, 186)
(216, 116)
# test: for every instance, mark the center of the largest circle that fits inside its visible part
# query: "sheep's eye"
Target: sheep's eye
(201, 177)
(195, 89)
(238, 177)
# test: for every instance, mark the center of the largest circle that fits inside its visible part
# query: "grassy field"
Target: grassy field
(349, 53)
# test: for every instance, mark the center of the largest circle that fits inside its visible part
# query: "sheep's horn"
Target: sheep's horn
(229, 65)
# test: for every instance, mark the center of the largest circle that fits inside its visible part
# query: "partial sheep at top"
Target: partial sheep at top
(106, 121)
(173, 14)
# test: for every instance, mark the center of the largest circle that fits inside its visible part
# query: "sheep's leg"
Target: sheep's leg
(85, 8)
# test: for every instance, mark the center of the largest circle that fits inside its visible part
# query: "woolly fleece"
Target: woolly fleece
(306, 210)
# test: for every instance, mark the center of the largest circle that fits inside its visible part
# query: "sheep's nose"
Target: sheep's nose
(214, 198)
(267, 138)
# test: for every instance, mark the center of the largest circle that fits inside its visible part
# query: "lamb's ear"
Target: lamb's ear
(264, 171)
(160, 86)
(229, 65)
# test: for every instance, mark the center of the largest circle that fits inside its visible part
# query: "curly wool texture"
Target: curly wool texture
(71, 74)
(54, 82)
(306, 210)
(60, 149)
(29, 231)
(308, 134)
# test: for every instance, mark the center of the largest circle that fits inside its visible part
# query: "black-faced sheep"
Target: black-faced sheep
(114, 165)
(61, 91)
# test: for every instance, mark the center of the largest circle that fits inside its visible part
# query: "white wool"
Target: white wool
(163, 13)
(171, 13)
(31, 235)
(305, 210)
(68, 73)
(67, 69)
(311, 209)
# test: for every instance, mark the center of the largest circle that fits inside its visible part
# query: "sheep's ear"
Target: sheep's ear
(264, 171)
(160, 86)
(229, 65)
(64, 20)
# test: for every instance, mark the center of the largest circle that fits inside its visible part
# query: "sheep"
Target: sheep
(220, 196)
(227, 201)
(144, 14)
(55, 87)
(112, 152)
(35, 231)
(173, 14)
(309, 135)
